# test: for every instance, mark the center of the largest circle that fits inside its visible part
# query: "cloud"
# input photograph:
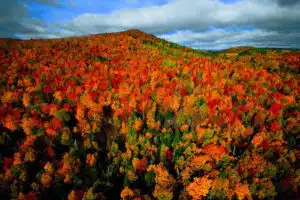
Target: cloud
(193, 15)
(192, 19)
(14, 18)
(222, 38)
(287, 2)
(12, 15)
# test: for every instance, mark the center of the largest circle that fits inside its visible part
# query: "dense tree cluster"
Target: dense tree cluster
(130, 116)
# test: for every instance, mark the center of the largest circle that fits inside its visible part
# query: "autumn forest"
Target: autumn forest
(131, 116)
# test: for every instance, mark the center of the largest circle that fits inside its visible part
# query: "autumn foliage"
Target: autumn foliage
(127, 115)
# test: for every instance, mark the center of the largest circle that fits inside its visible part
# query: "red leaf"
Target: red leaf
(168, 155)
(56, 124)
(45, 108)
(94, 95)
(29, 196)
(7, 163)
(183, 92)
(103, 85)
(16, 114)
(266, 145)
(142, 165)
(72, 96)
(275, 108)
(212, 164)
(212, 103)
(251, 172)
(50, 152)
(170, 74)
(275, 127)
(67, 107)
(47, 89)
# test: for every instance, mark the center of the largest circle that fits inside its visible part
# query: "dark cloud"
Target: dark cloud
(221, 39)
(287, 2)
(14, 18)
(11, 13)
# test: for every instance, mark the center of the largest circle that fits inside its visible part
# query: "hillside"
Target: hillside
(128, 115)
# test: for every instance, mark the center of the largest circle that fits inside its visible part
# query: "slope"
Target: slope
(128, 115)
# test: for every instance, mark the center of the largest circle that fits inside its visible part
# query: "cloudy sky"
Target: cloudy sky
(203, 24)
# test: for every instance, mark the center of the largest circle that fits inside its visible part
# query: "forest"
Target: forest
(131, 116)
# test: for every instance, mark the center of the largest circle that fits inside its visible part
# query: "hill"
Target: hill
(128, 115)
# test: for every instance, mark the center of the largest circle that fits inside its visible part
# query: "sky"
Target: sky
(200, 24)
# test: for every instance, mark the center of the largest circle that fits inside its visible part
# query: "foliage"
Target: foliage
(128, 115)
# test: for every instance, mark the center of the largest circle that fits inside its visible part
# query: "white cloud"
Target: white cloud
(193, 15)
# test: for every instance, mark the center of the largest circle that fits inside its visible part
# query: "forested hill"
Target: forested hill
(130, 116)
